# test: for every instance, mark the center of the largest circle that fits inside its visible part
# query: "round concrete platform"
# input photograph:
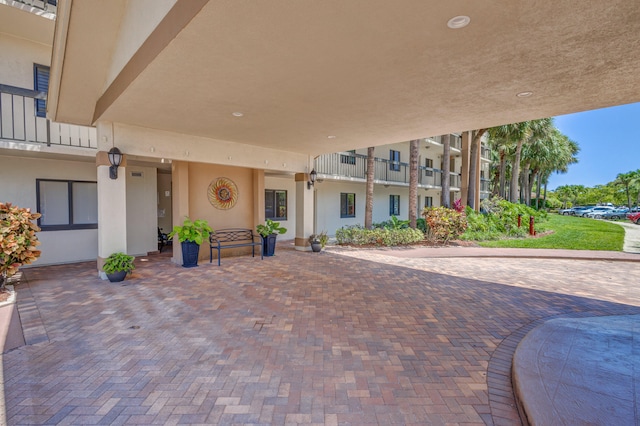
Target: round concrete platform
(580, 371)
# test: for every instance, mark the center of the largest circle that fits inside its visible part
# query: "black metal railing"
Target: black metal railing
(485, 153)
(485, 185)
(46, 5)
(21, 122)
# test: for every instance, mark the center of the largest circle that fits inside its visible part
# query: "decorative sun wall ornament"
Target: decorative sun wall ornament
(223, 193)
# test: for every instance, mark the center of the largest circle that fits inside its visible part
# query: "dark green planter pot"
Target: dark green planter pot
(116, 277)
(190, 251)
(269, 245)
(316, 247)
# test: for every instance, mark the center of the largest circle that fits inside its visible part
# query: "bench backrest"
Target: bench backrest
(231, 235)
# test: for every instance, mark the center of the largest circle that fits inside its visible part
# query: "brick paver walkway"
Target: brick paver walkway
(300, 338)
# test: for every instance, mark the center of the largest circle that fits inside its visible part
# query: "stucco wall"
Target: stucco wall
(18, 57)
(18, 176)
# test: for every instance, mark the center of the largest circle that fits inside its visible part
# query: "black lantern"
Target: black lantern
(312, 178)
(115, 158)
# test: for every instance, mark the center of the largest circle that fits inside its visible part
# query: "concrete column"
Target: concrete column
(179, 201)
(112, 210)
(466, 158)
(304, 211)
(258, 196)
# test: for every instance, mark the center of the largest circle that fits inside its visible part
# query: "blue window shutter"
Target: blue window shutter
(41, 84)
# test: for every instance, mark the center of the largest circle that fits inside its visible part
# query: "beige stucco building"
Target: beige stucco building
(261, 93)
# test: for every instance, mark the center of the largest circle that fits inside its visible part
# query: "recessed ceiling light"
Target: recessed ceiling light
(237, 114)
(458, 22)
(524, 94)
(331, 137)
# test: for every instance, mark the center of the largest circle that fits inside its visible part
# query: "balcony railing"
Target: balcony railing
(46, 5)
(455, 141)
(20, 121)
(347, 165)
(485, 185)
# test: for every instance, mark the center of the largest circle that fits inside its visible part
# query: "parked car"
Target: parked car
(566, 212)
(577, 211)
(596, 212)
(634, 217)
(614, 214)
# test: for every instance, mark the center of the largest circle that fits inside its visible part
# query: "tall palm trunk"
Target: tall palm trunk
(473, 167)
(414, 146)
(503, 174)
(368, 211)
(445, 197)
(526, 184)
(515, 173)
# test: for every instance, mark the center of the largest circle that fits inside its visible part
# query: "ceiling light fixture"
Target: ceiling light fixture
(237, 114)
(331, 137)
(458, 22)
(524, 94)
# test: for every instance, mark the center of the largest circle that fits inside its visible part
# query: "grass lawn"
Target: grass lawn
(570, 232)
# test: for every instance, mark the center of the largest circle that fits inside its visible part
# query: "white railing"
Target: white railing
(22, 120)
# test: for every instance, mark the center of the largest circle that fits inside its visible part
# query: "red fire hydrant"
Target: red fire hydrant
(531, 222)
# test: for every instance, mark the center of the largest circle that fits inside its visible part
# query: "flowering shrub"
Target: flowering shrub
(18, 240)
(444, 224)
(358, 235)
(499, 219)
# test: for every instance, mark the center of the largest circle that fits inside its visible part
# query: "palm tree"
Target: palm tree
(625, 180)
(368, 211)
(414, 147)
(520, 133)
(445, 198)
(473, 169)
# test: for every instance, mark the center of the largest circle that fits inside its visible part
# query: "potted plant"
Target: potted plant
(269, 232)
(117, 266)
(318, 241)
(191, 234)
(18, 240)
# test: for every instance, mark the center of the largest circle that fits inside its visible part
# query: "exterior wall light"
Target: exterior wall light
(115, 158)
(312, 178)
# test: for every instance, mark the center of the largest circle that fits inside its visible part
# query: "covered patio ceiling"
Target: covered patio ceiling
(323, 76)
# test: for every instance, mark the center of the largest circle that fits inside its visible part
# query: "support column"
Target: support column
(179, 201)
(304, 212)
(258, 196)
(466, 158)
(112, 203)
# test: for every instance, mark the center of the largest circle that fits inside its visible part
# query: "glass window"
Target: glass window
(275, 202)
(428, 201)
(41, 84)
(66, 204)
(394, 205)
(347, 205)
(394, 160)
(428, 162)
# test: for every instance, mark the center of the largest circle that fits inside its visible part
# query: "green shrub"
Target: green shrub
(357, 235)
(499, 219)
(444, 224)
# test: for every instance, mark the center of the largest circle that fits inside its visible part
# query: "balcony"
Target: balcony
(455, 141)
(44, 5)
(353, 167)
(485, 185)
(22, 120)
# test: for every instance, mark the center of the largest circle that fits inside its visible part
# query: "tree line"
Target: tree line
(623, 190)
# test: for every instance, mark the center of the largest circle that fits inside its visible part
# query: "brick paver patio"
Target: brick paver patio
(300, 338)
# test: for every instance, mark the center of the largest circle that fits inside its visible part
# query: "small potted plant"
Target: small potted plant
(117, 266)
(314, 241)
(318, 241)
(269, 232)
(191, 234)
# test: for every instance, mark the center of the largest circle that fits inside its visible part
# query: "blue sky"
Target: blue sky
(609, 141)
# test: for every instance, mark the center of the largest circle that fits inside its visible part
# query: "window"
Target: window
(67, 204)
(41, 84)
(348, 159)
(428, 201)
(347, 205)
(428, 162)
(394, 205)
(275, 202)
(394, 160)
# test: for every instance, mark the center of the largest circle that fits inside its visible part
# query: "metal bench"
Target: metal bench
(233, 237)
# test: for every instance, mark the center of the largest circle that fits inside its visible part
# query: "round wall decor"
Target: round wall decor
(223, 193)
